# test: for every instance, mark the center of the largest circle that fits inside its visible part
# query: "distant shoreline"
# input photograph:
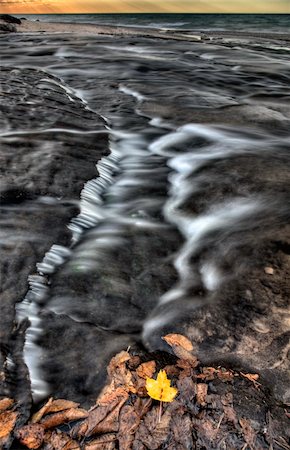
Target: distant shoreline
(29, 26)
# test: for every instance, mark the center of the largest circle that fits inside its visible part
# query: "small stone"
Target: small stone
(269, 270)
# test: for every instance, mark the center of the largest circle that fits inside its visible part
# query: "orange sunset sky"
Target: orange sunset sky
(139, 6)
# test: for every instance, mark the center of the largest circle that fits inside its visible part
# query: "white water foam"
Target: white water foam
(199, 230)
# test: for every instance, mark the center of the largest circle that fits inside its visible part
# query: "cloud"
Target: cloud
(137, 6)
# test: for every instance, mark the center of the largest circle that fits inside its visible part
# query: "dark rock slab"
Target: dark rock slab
(7, 28)
(10, 19)
(43, 169)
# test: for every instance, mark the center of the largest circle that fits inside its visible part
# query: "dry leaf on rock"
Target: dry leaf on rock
(253, 377)
(105, 442)
(225, 375)
(7, 423)
(6, 403)
(178, 340)
(31, 435)
(206, 431)
(129, 422)
(160, 388)
(61, 405)
(172, 370)
(56, 440)
(103, 419)
(185, 366)
(142, 406)
(208, 373)
(118, 372)
(68, 415)
(111, 394)
(248, 432)
(53, 406)
(230, 414)
(39, 414)
(134, 362)
(187, 389)
(151, 432)
(182, 347)
(117, 362)
(146, 370)
(201, 393)
(181, 431)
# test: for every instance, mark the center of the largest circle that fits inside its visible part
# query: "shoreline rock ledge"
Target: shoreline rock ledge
(8, 23)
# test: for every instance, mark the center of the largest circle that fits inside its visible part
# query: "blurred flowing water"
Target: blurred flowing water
(195, 176)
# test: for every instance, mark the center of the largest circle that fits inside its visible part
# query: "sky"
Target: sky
(139, 6)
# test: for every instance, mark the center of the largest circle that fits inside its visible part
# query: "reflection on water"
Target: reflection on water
(194, 177)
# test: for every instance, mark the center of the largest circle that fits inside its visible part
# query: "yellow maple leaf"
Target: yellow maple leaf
(160, 388)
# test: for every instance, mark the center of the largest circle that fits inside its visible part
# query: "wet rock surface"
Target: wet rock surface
(7, 27)
(43, 170)
(10, 19)
(135, 270)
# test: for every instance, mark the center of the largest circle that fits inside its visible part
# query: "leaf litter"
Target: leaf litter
(204, 408)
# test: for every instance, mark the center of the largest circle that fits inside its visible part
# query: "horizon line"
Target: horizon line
(148, 12)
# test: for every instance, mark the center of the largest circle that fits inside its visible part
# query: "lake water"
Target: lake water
(202, 22)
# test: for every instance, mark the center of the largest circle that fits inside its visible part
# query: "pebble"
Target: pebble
(269, 270)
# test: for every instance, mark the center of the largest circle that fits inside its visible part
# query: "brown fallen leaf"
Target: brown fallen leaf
(172, 370)
(134, 362)
(105, 442)
(119, 374)
(56, 440)
(230, 414)
(142, 406)
(187, 391)
(208, 373)
(206, 431)
(178, 340)
(225, 375)
(111, 394)
(253, 377)
(181, 429)
(6, 403)
(248, 433)
(109, 424)
(39, 414)
(183, 364)
(53, 406)
(31, 436)
(102, 419)
(146, 370)
(7, 422)
(201, 393)
(152, 433)
(59, 418)
(129, 422)
(182, 347)
(118, 362)
(142, 391)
